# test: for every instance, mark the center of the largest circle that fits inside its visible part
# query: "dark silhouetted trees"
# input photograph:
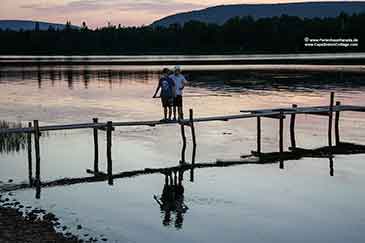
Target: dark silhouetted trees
(238, 35)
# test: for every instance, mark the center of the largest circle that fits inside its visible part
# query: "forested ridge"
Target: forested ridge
(285, 34)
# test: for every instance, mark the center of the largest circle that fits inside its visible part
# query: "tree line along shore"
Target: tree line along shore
(239, 35)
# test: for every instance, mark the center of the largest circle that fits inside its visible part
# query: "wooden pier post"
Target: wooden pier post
(180, 176)
(191, 116)
(330, 115)
(30, 166)
(38, 191)
(281, 139)
(37, 134)
(109, 129)
(337, 125)
(96, 148)
(332, 168)
(182, 126)
(259, 135)
(292, 129)
(192, 173)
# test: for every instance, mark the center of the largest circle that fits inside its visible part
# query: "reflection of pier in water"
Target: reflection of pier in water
(257, 157)
(262, 159)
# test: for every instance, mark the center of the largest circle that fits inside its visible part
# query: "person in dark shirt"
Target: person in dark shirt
(167, 87)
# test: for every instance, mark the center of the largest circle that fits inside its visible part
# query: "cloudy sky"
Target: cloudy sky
(100, 12)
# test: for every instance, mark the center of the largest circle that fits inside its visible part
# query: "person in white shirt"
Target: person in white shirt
(180, 83)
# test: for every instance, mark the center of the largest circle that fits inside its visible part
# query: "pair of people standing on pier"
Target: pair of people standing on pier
(172, 85)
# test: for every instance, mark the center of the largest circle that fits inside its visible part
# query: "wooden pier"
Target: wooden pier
(279, 113)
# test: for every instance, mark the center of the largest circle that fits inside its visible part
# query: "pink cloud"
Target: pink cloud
(99, 12)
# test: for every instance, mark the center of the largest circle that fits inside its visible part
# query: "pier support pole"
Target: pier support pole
(330, 115)
(191, 116)
(337, 125)
(182, 126)
(30, 166)
(332, 168)
(330, 120)
(109, 129)
(281, 139)
(181, 176)
(96, 148)
(259, 135)
(37, 134)
(292, 129)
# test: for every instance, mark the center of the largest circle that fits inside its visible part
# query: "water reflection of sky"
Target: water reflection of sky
(253, 203)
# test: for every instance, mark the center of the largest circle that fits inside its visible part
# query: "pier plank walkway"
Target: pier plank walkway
(246, 114)
(308, 109)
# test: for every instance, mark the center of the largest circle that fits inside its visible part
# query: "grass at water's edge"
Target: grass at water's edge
(12, 142)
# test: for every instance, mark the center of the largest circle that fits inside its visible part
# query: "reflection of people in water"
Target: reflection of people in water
(172, 199)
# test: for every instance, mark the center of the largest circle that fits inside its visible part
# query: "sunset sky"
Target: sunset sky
(100, 12)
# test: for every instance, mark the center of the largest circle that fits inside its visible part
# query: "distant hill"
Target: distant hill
(220, 14)
(29, 25)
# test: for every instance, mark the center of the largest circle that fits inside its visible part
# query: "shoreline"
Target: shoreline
(339, 58)
(20, 223)
(278, 61)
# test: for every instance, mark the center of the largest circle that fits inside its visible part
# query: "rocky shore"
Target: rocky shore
(24, 224)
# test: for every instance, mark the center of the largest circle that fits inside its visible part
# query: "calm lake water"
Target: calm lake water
(253, 203)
